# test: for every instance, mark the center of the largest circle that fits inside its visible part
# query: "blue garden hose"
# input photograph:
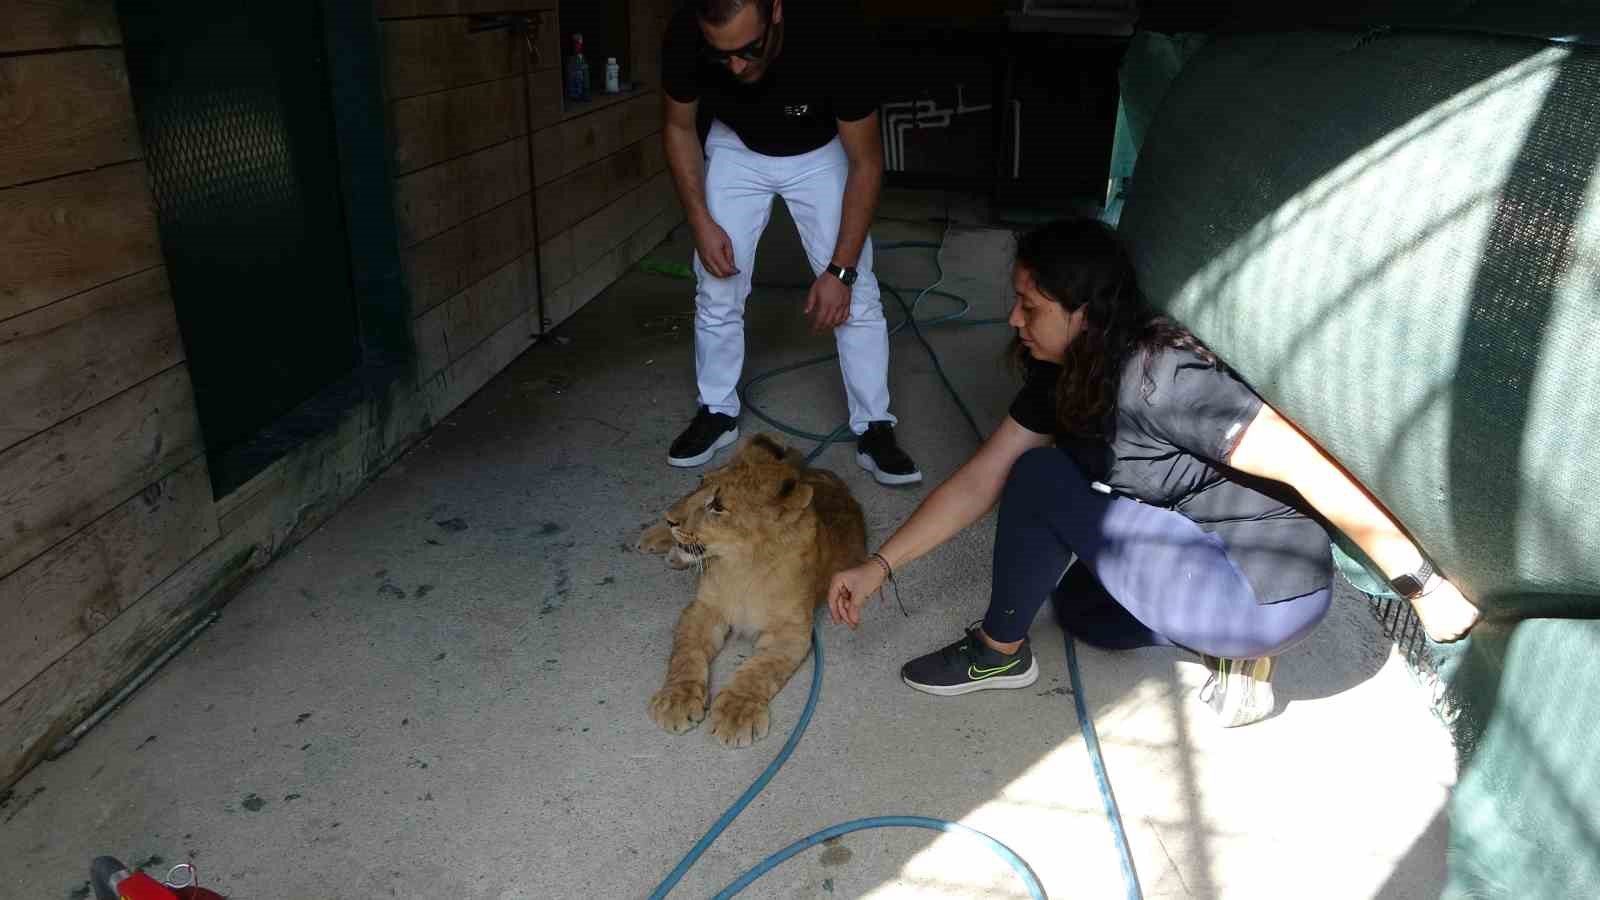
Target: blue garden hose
(1085, 723)
(958, 317)
(750, 793)
(1108, 800)
(1035, 890)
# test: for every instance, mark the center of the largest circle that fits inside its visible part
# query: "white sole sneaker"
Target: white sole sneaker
(882, 477)
(1239, 691)
(992, 683)
(689, 462)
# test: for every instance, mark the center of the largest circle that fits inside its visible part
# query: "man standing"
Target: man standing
(794, 114)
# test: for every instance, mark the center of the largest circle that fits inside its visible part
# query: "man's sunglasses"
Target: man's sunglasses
(754, 51)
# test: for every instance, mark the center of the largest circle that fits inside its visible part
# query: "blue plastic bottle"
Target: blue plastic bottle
(577, 73)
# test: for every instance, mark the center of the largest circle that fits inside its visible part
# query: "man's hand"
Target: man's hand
(851, 590)
(1446, 615)
(828, 304)
(716, 250)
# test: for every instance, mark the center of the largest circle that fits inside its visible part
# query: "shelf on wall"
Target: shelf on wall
(572, 110)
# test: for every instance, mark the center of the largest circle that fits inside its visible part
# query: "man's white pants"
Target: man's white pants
(740, 184)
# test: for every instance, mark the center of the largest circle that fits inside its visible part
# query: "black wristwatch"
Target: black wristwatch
(846, 275)
(1411, 585)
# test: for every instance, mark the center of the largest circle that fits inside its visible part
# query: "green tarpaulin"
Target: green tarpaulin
(1395, 237)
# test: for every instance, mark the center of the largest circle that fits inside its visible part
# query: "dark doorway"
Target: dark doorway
(235, 113)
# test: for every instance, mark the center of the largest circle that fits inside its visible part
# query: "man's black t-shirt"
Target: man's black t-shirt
(1171, 450)
(823, 75)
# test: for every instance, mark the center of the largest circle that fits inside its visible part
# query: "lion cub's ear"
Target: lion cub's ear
(793, 498)
(761, 448)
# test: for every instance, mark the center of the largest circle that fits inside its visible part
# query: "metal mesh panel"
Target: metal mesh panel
(1425, 660)
(234, 113)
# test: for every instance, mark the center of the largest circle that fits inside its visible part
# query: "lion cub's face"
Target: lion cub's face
(747, 503)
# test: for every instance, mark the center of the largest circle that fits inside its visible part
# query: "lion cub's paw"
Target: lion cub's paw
(679, 707)
(655, 539)
(738, 720)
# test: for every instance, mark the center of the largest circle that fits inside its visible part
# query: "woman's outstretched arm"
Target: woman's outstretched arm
(1271, 447)
(962, 499)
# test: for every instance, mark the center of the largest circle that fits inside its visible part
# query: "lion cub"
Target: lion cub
(766, 534)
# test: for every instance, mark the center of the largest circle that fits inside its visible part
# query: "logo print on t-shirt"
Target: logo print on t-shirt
(797, 109)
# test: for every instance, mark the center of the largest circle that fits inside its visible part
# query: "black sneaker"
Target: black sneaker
(877, 452)
(708, 433)
(971, 665)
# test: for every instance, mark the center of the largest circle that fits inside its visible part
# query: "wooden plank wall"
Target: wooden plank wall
(460, 157)
(605, 197)
(111, 542)
(461, 187)
(103, 484)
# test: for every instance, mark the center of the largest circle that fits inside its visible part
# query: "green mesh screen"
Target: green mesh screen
(1396, 238)
(1525, 816)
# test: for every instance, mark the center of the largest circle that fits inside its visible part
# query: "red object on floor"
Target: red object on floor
(140, 886)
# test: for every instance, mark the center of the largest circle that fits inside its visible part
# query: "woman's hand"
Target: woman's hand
(851, 590)
(1446, 615)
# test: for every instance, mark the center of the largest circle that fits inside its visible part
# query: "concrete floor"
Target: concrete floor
(442, 692)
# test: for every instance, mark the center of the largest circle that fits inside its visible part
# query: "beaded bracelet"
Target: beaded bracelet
(888, 574)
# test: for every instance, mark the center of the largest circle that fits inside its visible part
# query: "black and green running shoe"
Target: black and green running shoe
(971, 665)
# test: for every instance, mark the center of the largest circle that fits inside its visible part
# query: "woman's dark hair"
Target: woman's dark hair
(1081, 264)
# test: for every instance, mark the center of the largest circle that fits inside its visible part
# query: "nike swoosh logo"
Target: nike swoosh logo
(977, 674)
